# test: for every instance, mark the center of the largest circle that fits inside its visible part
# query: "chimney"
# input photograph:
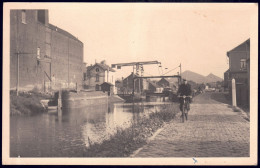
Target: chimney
(103, 62)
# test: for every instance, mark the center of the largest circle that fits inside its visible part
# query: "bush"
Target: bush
(26, 103)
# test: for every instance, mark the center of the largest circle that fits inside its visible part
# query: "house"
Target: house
(139, 85)
(97, 74)
(107, 87)
(168, 82)
(152, 86)
(239, 69)
(42, 55)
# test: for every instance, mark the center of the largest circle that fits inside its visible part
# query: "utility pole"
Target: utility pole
(17, 83)
(133, 93)
(68, 63)
(180, 72)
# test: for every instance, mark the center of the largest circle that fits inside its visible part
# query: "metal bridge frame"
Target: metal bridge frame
(146, 77)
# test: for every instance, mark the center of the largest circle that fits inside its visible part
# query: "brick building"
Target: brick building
(97, 74)
(42, 55)
(239, 70)
(140, 84)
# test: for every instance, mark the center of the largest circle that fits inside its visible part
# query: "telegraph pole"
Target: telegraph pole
(133, 82)
(180, 72)
(17, 83)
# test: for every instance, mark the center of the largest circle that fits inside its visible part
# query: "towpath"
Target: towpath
(213, 129)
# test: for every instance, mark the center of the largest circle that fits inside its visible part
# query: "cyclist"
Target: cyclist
(185, 90)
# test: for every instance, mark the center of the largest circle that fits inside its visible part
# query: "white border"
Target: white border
(252, 160)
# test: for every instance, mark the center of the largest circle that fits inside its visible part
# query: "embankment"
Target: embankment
(26, 103)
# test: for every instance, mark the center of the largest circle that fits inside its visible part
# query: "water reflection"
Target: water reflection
(68, 134)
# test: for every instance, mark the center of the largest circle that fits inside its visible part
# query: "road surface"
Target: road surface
(213, 129)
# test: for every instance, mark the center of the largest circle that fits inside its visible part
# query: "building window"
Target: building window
(97, 78)
(97, 69)
(38, 52)
(243, 64)
(23, 16)
(41, 16)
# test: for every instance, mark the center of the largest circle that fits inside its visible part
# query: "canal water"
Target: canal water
(68, 134)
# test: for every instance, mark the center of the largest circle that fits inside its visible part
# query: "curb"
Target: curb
(242, 112)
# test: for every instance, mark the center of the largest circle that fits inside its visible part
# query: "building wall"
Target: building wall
(128, 83)
(36, 71)
(91, 78)
(240, 75)
(67, 59)
(151, 87)
(234, 60)
(25, 38)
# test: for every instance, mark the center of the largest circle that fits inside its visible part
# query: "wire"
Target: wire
(148, 73)
(171, 70)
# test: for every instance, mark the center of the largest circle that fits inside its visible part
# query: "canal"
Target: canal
(68, 135)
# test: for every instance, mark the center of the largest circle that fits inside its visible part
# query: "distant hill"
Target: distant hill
(195, 77)
(213, 78)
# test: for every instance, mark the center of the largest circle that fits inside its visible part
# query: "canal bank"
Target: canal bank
(73, 132)
(33, 102)
(125, 141)
(27, 103)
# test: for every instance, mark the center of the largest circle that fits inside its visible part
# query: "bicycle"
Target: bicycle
(184, 107)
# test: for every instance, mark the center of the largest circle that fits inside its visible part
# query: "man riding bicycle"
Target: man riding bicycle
(185, 90)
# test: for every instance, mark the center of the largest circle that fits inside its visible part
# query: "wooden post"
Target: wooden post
(234, 100)
(133, 87)
(180, 74)
(59, 106)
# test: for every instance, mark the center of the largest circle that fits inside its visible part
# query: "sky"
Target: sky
(196, 35)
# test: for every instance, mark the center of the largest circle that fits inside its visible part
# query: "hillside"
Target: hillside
(195, 77)
(213, 78)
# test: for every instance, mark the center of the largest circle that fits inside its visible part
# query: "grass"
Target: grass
(125, 141)
(26, 103)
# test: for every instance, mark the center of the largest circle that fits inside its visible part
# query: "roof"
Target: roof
(241, 47)
(153, 84)
(103, 66)
(171, 80)
(130, 76)
(55, 28)
(108, 83)
(227, 71)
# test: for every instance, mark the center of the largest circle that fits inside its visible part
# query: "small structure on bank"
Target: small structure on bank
(107, 87)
